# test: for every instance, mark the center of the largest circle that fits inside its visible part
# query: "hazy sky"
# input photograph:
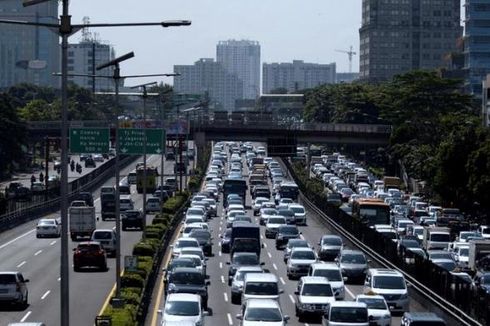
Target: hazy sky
(309, 30)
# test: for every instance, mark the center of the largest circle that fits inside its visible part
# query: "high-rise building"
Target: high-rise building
(397, 36)
(296, 76)
(84, 57)
(242, 58)
(29, 53)
(208, 76)
(476, 44)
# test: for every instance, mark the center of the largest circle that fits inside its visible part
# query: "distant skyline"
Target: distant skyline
(286, 30)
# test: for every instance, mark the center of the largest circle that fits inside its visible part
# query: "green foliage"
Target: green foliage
(173, 204)
(121, 317)
(144, 248)
(155, 231)
(132, 280)
(130, 297)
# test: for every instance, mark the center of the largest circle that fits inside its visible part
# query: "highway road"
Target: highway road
(38, 260)
(223, 312)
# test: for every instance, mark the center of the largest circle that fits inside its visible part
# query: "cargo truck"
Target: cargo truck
(436, 237)
(479, 256)
(82, 221)
(391, 182)
(245, 237)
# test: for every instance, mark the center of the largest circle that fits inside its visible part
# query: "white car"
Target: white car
(183, 243)
(333, 273)
(313, 295)
(107, 239)
(183, 308)
(299, 213)
(48, 227)
(299, 261)
(272, 225)
(153, 204)
(264, 312)
(378, 310)
(186, 230)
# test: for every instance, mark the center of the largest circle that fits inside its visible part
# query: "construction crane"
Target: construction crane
(350, 53)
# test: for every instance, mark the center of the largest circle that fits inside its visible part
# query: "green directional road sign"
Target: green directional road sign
(89, 140)
(131, 141)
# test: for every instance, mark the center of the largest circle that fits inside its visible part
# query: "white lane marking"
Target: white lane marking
(220, 265)
(37, 252)
(275, 267)
(220, 229)
(26, 316)
(282, 281)
(219, 253)
(222, 279)
(292, 299)
(349, 292)
(226, 297)
(21, 264)
(45, 295)
(52, 242)
(269, 254)
(230, 321)
(265, 245)
(15, 239)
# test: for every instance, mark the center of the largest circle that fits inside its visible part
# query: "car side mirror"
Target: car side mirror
(228, 263)
(164, 269)
(286, 317)
(205, 313)
(296, 292)
(208, 283)
(160, 312)
(369, 261)
(345, 278)
(97, 218)
(239, 316)
(26, 280)
(281, 291)
(409, 285)
(319, 243)
(74, 249)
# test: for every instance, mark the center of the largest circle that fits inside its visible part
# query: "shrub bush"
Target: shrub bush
(145, 248)
(123, 316)
(132, 279)
(130, 297)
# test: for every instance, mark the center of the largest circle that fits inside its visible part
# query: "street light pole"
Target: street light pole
(65, 31)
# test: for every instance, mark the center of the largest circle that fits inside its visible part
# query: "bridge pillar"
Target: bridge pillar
(200, 144)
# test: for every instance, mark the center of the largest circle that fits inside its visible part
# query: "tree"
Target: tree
(12, 136)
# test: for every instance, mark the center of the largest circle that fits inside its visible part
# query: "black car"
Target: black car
(205, 240)
(225, 241)
(180, 167)
(173, 265)
(189, 280)
(284, 234)
(132, 219)
(353, 264)
(86, 197)
(90, 163)
(242, 259)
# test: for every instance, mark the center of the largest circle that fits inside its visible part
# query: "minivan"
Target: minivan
(391, 285)
(107, 239)
(260, 286)
(125, 203)
(346, 313)
(13, 288)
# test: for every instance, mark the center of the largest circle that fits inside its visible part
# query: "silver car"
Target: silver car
(237, 281)
(13, 288)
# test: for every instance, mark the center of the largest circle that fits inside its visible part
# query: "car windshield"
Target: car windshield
(289, 230)
(194, 211)
(103, 235)
(246, 259)
(182, 263)
(464, 252)
(297, 210)
(193, 252)
(348, 315)
(353, 259)
(297, 244)
(269, 211)
(333, 275)
(410, 243)
(263, 314)
(440, 237)
(7, 279)
(286, 212)
(317, 290)
(447, 265)
(47, 222)
(182, 308)
(374, 303)
(188, 278)
(276, 220)
(186, 243)
(261, 288)
(332, 241)
(296, 254)
(200, 234)
(389, 282)
(440, 255)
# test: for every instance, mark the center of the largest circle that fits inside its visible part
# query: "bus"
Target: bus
(289, 190)
(234, 186)
(151, 179)
(371, 211)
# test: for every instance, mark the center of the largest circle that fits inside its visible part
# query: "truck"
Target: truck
(479, 255)
(245, 237)
(436, 237)
(392, 182)
(82, 221)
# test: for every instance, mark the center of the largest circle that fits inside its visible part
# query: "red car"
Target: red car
(89, 254)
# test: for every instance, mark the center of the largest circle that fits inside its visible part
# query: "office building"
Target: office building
(29, 54)
(296, 76)
(476, 44)
(208, 76)
(242, 58)
(398, 36)
(84, 57)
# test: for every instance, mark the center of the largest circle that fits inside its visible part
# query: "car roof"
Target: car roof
(262, 303)
(353, 304)
(325, 266)
(256, 277)
(384, 272)
(351, 252)
(249, 269)
(302, 249)
(183, 297)
(314, 280)
(187, 270)
(369, 296)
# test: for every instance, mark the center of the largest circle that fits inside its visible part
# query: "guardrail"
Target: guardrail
(448, 293)
(85, 183)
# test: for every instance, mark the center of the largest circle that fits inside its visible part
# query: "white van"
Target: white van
(346, 313)
(260, 286)
(107, 239)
